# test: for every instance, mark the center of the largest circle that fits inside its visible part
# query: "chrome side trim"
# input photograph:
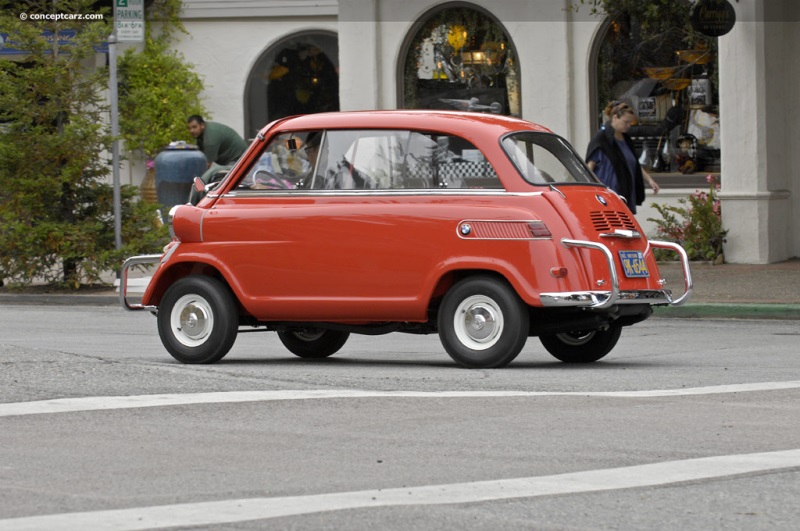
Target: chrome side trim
(687, 273)
(559, 192)
(145, 259)
(168, 250)
(203, 222)
(384, 192)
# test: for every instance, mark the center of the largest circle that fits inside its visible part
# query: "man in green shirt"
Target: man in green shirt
(218, 142)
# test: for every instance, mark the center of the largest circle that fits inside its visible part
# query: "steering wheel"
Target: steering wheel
(267, 179)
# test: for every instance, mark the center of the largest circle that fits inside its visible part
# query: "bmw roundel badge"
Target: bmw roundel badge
(602, 200)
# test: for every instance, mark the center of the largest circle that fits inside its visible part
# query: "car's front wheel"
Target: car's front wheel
(483, 323)
(581, 346)
(313, 342)
(198, 320)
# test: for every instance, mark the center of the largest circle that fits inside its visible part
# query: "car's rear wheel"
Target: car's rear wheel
(198, 320)
(313, 342)
(581, 346)
(483, 323)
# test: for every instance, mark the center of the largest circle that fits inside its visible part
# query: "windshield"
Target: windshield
(544, 158)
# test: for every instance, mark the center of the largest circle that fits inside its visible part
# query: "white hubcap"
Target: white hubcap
(478, 322)
(192, 320)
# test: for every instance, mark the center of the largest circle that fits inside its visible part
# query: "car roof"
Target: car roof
(453, 122)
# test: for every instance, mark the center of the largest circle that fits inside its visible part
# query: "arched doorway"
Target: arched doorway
(298, 75)
(459, 57)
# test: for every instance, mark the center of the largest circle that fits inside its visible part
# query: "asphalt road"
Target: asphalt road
(687, 424)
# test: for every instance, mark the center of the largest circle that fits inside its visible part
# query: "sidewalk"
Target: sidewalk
(742, 291)
(745, 291)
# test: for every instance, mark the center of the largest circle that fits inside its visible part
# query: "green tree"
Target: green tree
(56, 207)
(656, 19)
(158, 88)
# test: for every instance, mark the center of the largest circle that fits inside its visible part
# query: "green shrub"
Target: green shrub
(56, 208)
(158, 89)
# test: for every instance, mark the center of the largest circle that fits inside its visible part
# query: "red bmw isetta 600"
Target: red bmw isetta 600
(484, 229)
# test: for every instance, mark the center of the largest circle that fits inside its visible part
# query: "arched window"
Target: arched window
(459, 57)
(298, 75)
(667, 72)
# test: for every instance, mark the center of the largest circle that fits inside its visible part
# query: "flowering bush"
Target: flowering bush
(696, 224)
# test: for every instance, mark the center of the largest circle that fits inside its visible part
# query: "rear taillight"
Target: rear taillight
(539, 230)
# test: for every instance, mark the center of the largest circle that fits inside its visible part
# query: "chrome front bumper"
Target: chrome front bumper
(145, 259)
(605, 299)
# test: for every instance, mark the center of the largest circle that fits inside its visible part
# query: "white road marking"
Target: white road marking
(241, 510)
(99, 403)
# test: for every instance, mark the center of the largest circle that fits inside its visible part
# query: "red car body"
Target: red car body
(411, 221)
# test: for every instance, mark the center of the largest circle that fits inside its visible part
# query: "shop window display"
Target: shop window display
(299, 75)
(460, 59)
(668, 74)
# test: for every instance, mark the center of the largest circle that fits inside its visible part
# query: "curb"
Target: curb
(60, 299)
(730, 311)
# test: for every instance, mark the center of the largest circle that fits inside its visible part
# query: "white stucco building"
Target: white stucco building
(239, 46)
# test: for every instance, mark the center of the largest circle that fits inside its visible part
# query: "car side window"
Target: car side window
(447, 162)
(285, 164)
(400, 160)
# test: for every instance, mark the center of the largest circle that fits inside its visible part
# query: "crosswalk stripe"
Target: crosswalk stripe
(99, 403)
(247, 509)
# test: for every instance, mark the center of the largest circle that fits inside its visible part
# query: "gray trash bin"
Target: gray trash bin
(176, 167)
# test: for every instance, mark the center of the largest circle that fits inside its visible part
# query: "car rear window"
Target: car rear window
(545, 158)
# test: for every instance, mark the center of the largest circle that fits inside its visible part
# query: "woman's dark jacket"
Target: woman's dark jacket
(604, 141)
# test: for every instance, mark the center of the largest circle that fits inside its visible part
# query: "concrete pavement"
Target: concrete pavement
(744, 291)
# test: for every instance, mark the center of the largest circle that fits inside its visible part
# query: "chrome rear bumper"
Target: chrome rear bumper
(605, 299)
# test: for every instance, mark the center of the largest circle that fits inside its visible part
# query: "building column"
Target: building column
(756, 198)
(359, 55)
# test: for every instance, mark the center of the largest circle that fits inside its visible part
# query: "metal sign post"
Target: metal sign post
(113, 96)
(128, 27)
